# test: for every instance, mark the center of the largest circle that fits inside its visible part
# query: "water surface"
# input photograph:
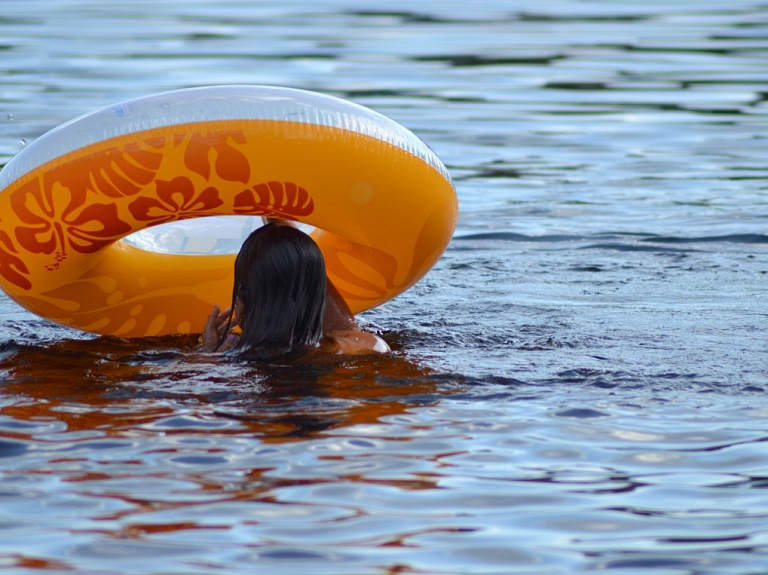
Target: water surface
(577, 386)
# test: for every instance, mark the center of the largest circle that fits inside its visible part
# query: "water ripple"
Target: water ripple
(577, 385)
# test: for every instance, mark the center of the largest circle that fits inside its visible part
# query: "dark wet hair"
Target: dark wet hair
(280, 280)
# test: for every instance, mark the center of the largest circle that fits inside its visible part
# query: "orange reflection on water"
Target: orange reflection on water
(111, 385)
(176, 446)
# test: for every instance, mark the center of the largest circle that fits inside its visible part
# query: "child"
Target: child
(284, 303)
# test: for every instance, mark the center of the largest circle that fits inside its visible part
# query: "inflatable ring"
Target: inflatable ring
(380, 200)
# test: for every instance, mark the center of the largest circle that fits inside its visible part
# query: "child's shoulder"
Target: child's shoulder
(354, 342)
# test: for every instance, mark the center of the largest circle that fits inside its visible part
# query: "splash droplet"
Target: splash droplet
(10, 116)
(23, 142)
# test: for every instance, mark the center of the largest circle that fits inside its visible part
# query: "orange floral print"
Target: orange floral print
(123, 172)
(112, 173)
(283, 199)
(11, 266)
(230, 164)
(58, 219)
(176, 200)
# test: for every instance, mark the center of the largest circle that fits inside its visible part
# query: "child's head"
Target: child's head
(279, 292)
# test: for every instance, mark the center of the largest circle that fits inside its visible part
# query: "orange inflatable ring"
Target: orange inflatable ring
(381, 202)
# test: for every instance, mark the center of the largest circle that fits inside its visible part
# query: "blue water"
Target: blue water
(578, 385)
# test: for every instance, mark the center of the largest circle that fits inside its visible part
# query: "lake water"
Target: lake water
(579, 385)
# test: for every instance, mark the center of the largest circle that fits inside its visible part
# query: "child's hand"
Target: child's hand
(215, 328)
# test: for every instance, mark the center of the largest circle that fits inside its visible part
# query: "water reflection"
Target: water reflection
(157, 453)
(605, 291)
(104, 383)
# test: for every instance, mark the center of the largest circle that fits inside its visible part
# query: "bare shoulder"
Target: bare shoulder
(354, 342)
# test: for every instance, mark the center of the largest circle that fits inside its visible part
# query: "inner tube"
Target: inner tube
(381, 203)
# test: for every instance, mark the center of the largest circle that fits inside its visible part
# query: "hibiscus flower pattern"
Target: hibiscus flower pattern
(58, 219)
(279, 199)
(175, 200)
(11, 265)
(59, 215)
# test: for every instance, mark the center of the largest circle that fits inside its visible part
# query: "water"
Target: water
(579, 384)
